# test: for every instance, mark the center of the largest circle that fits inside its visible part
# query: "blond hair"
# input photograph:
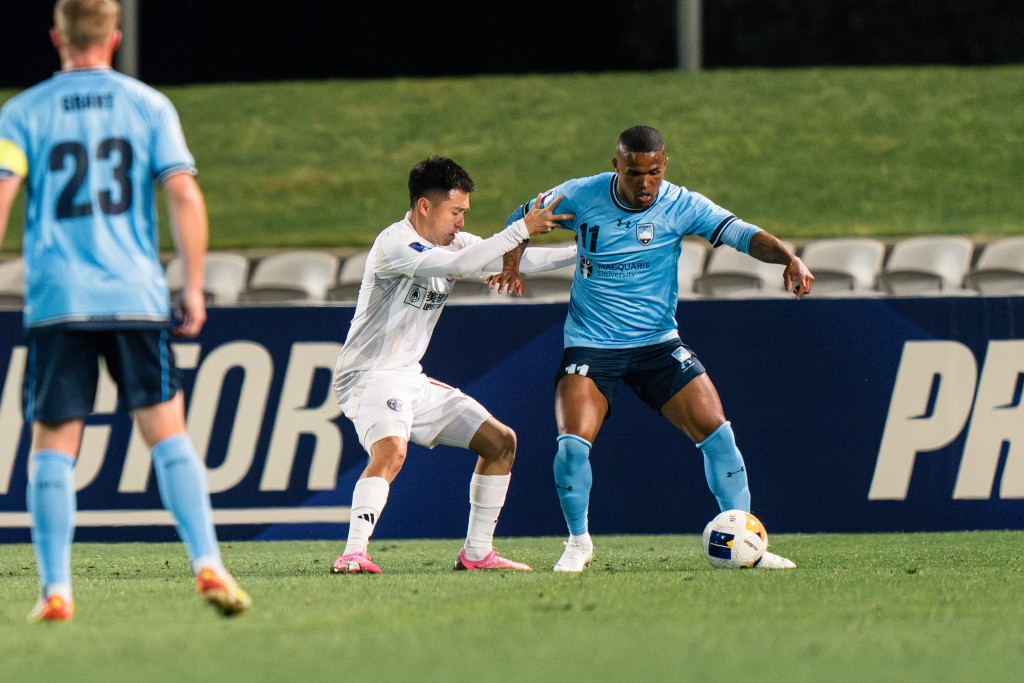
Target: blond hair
(85, 23)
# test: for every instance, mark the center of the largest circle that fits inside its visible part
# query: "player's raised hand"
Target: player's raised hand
(798, 278)
(507, 282)
(543, 219)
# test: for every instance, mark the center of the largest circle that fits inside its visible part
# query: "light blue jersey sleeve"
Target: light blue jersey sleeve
(94, 142)
(738, 234)
(710, 221)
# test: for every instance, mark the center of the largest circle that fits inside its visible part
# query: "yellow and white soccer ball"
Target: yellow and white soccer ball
(734, 539)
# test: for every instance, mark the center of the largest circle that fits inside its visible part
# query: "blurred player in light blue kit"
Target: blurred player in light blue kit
(629, 227)
(90, 144)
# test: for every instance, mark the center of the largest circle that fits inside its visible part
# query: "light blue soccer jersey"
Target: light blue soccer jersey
(624, 292)
(94, 141)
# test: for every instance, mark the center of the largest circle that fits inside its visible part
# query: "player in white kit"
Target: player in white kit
(379, 382)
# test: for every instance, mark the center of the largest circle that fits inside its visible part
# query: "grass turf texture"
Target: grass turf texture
(806, 153)
(913, 607)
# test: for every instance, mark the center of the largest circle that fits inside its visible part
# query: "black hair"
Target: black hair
(435, 177)
(640, 140)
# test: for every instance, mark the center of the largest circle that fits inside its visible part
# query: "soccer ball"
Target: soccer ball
(734, 539)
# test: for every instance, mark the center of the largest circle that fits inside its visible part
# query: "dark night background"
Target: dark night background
(212, 41)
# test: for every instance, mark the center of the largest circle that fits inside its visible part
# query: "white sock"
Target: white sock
(61, 589)
(208, 562)
(584, 540)
(368, 500)
(486, 498)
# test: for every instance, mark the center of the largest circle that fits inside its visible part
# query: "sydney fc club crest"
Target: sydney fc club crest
(645, 233)
(396, 405)
(586, 267)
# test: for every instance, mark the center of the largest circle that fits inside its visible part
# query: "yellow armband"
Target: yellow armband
(12, 159)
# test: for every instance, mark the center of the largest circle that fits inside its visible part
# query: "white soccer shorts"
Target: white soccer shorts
(411, 406)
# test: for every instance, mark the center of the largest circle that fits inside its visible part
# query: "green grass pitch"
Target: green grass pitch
(876, 607)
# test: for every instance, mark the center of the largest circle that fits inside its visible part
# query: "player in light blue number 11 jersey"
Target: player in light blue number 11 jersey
(629, 225)
(89, 144)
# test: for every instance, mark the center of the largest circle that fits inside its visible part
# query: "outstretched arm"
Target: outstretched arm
(187, 212)
(531, 260)
(509, 280)
(541, 259)
(475, 258)
(770, 249)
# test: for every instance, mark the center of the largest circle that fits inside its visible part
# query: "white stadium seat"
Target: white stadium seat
(350, 276)
(732, 273)
(927, 265)
(1000, 268)
(12, 283)
(844, 266)
(291, 277)
(691, 265)
(225, 275)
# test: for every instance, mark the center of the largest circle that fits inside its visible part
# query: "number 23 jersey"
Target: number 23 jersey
(90, 144)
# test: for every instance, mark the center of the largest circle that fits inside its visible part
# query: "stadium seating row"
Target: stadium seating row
(843, 267)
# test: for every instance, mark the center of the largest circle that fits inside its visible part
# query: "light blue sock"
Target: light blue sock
(52, 504)
(724, 469)
(183, 490)
(573, 479)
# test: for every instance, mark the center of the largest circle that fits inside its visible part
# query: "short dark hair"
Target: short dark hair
(435, 177)
(640, 140)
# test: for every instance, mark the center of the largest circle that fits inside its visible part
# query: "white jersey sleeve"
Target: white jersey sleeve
(467, 255)
(540, 259)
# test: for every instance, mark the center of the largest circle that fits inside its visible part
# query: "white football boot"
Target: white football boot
(575, 558)
(773, 561)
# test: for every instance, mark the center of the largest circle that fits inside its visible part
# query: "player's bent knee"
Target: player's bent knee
(387, 456)
(506, 445)
(510, 440)
(495, 441)
(386, 465)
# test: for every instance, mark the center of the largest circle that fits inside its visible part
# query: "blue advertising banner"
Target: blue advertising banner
(876, 414)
